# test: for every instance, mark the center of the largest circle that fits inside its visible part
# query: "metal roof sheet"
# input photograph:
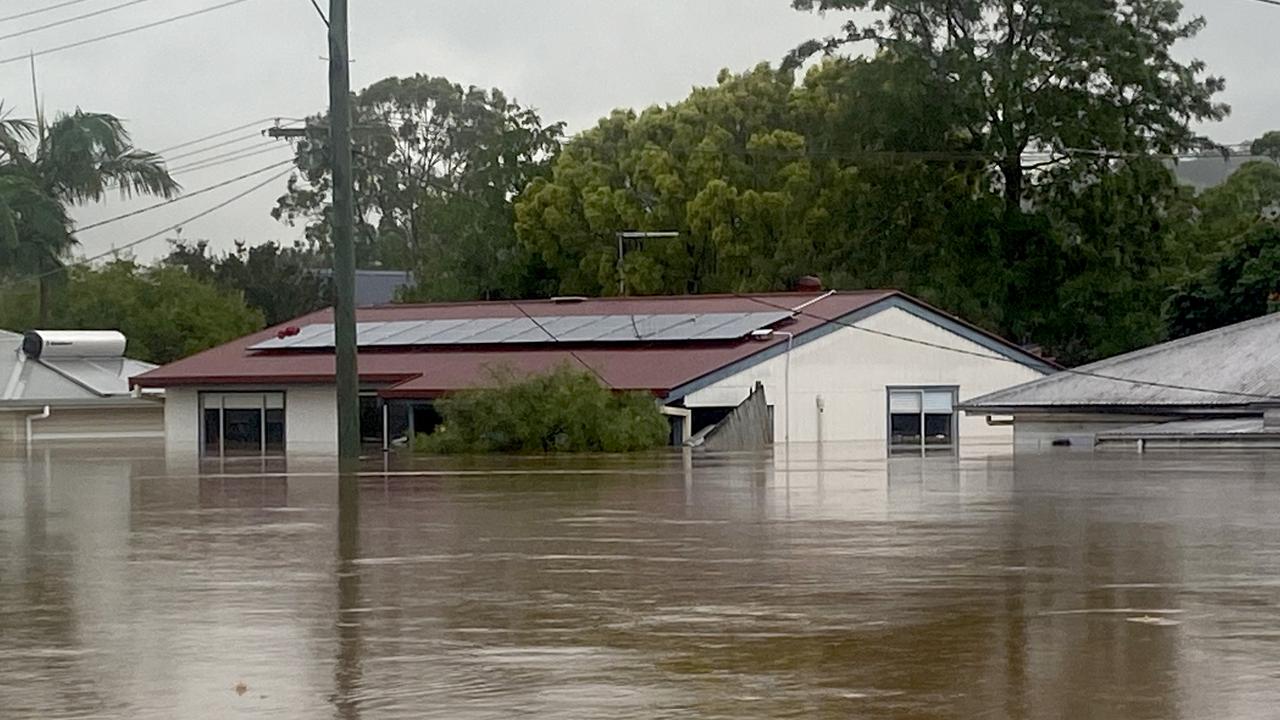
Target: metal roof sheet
(672, 327)
(660, 367)
(31, 380)
(1231, 366)
(1189, 428)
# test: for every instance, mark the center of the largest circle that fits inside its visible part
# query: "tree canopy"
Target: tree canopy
(165, 313)
(1079, 81)
(279, 282)
(78, 158)
(436, 166)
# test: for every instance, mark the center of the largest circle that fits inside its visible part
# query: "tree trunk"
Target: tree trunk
(1011, 168)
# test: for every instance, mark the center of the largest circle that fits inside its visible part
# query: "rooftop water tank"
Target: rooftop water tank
(53, 344)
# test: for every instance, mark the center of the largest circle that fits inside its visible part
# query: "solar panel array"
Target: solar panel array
(549, 329)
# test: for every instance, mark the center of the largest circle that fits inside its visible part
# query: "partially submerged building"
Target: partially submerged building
(1218, 388)
(72, 386)
(862, 366)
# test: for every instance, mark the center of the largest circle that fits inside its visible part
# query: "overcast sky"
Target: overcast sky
(574, 60)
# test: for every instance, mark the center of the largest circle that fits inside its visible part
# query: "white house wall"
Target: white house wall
(311, 418)
(851, 371)
(1034, 433)
(78, 424)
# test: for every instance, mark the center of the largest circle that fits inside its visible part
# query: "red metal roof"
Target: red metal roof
(428, 372)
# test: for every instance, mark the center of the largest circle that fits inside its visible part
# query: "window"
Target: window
(242, 423)
(922, 419)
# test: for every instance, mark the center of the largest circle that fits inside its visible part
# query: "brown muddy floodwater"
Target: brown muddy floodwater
(1071, 586)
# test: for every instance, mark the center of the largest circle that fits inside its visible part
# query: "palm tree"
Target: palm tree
(77, 159)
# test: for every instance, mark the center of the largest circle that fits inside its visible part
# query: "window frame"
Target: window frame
(924, 448)
(262, 408)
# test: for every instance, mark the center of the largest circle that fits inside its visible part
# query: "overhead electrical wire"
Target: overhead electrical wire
(68, 21)
(572, 353)
(215, 146)
(238, 153)
(180, 198)
(119, 33)
(152, 236)
(228, 131)
(39, 11)
(206, 165)
(985, 356)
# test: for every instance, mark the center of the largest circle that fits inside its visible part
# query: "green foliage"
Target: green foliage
(1267, 146)
(281, 283)
(165, 313)
(1228, 211)
(1081, 80)
(77, 159)
(436, 167)
(1242, 283)
(563, 411)
(858, 174)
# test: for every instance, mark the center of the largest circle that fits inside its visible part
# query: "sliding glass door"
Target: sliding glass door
(240, 423)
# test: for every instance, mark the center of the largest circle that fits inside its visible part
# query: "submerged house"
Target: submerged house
(1218, 388)
(861, 366)
(72, 386)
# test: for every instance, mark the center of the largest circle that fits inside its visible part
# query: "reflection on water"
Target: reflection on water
(833, 586)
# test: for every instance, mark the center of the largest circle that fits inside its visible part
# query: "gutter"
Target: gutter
(31, 419)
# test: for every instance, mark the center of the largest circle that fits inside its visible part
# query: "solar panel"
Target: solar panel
(522, 330)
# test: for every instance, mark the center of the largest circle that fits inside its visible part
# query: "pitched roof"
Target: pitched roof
(30, 381)
(430, 371)
(1236, 365)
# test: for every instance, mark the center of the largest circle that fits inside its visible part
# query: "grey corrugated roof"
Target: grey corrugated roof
(1189, 428)
(27, 380)
(1235, 365)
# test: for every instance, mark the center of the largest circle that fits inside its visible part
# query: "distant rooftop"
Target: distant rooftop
(377, 287)
(1234, 366)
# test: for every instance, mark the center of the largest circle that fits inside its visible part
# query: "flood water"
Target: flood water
(848, 586)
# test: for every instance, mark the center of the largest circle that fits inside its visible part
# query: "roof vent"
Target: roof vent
(568, 299)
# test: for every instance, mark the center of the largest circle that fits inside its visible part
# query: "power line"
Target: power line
(320, 12)
(68, 21)
(152, 236)
(38, 11)
(185, 196)
(228, 131)
(127, 31)
(1269, 2)
(207, 165)
(215, 146)
(230, 155)
(556, 340)
(962, 351)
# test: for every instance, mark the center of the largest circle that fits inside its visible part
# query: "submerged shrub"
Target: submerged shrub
(562, 411)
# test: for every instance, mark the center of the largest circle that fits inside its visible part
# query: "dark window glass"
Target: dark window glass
(937, 429)
(275, 431)
(212, 431)
(370, 419)
(399, 420)
(242, 431)
(905, 429)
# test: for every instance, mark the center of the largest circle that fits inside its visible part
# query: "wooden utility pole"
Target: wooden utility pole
(344, 260)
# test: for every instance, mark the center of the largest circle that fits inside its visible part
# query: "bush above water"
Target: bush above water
(562, 411)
